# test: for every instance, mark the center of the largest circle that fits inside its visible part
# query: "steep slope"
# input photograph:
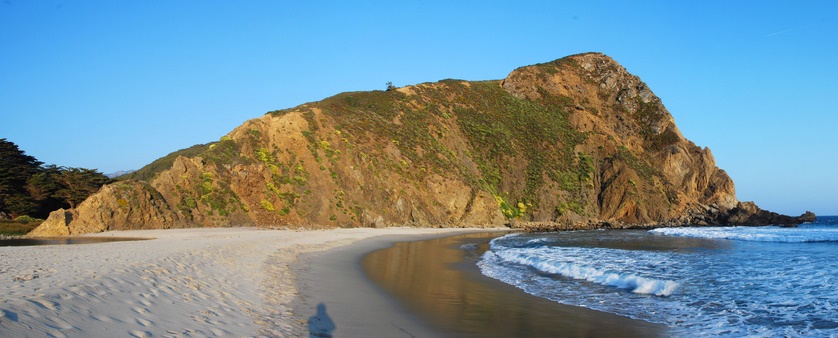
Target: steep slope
(577, 142)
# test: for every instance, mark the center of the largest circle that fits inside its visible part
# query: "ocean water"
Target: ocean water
(703, 281)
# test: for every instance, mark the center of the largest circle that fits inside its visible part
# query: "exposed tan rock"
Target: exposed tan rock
(574, 143)
(57, 224)
(119, 206)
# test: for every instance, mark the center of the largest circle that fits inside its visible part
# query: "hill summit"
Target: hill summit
(573, 143)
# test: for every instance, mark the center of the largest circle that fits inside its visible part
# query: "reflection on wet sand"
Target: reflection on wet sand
(439, 280)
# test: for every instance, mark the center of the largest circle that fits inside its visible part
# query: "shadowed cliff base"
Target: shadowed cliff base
(571, 142)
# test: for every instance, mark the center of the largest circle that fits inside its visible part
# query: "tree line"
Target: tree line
(30, 188)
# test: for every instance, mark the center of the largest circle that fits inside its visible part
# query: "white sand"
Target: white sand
(186, 282)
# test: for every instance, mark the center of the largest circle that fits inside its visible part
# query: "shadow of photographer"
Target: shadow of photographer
(321, 325)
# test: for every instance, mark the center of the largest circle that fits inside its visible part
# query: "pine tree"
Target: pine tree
(78, 183)
(15, 170)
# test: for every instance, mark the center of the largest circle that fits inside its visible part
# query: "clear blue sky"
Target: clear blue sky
(113, 85)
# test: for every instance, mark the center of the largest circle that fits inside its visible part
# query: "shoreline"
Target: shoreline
(208, 282)
(336, 296)
(346, 292)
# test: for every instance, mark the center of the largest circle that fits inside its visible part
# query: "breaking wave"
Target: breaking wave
(707, 281)
(631, 282)
(803, 234)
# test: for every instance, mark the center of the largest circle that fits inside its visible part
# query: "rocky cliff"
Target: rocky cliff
(577, 142)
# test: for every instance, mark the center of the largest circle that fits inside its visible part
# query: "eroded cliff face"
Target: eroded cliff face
(577, 142)
(646, 171)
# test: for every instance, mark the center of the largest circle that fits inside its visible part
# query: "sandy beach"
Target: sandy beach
(178, 283)
(248, 282)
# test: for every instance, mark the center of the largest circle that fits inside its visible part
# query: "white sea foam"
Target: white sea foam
(469, 247)
(804, 234)
(756, 285)
(538, 241)
(535, 258)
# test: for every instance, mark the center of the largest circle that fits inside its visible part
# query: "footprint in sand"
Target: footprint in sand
(201, 295)
(57, 334)
(219, 332)
(78, 291)
(110, 283)
(12, 316)
(209, 313)
(201, 319)
(60, 324)
(44, 303)
(169, 290)
(102, 318)
(139, 334)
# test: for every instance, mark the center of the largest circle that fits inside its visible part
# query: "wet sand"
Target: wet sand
(432, 288)
(336, 297)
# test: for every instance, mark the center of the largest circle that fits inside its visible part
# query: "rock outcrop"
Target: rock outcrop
(748, 213)
(574, 143)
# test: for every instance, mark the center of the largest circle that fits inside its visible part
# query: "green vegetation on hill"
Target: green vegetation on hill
(498, 126)
(147, 173)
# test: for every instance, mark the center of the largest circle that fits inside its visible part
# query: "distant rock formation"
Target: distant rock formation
(119, 173)
(748, 213)
(574, 143)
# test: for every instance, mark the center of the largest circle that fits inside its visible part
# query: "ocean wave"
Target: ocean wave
(756, 234)
(633, 283)
(538, 241)
(753, 289)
